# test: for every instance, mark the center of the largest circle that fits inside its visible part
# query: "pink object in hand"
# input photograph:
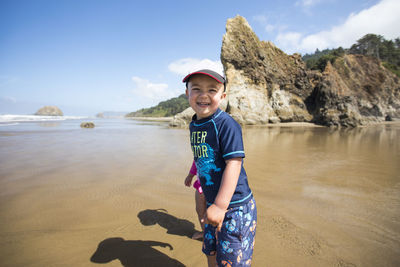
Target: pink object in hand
(193, 170)
(196, 184)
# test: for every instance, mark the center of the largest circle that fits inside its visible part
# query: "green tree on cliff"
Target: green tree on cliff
(369, 45)
(388, 51)
(319, 59)
(163, 109)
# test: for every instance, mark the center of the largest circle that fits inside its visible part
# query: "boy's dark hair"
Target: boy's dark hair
(216, 76)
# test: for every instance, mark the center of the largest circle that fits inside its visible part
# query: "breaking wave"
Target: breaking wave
(9, 119)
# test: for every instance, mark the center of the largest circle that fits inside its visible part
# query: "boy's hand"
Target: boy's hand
(188, 179)
(214, 216)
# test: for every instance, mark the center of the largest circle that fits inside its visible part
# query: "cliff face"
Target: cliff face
(265, 85)
(355, 90)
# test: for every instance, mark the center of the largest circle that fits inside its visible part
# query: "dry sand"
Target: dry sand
(324, 198)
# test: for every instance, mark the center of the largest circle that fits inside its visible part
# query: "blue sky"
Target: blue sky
(89, 56)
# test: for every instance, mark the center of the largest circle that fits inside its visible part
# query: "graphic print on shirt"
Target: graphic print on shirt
(205, 162)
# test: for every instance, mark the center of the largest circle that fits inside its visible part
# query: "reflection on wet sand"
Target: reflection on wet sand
(49, 124)
(336, 193)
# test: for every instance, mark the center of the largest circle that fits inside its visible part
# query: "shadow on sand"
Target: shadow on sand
(133, 253)
(173, 225)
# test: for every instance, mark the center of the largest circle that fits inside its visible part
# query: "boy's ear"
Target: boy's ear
(187, 92)
(223, 95)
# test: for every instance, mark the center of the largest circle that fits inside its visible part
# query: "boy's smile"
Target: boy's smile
(205, 95)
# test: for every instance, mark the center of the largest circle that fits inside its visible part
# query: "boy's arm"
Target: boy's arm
(188, 179)
(216, 212)
(191, 174)
(229, 181)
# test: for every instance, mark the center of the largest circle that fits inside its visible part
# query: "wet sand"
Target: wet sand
(114, 195)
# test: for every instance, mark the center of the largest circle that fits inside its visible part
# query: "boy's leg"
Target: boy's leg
(236, 239)
(212, 261)
(201, 208)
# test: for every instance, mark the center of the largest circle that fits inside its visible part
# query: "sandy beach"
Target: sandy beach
(114, 195)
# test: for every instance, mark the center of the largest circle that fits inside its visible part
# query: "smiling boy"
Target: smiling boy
(217, 145)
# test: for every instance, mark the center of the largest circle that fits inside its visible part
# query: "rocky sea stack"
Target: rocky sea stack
(87, 125)
(49, 111)
(265, 85)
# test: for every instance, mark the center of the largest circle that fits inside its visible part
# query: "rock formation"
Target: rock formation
(111, 115)
(100, 115)
(49, 111)
(355, 90)
(87, 125)
(182, 119)
(265, 85)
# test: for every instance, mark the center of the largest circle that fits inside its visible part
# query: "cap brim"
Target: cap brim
(212, 75)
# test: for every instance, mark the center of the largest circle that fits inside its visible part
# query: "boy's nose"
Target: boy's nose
(202, 94)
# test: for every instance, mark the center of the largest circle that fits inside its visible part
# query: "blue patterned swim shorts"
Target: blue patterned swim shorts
(235, 243)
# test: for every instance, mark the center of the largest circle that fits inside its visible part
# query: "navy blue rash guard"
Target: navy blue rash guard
(214, 140)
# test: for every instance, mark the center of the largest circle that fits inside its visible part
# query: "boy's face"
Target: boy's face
(205, 95)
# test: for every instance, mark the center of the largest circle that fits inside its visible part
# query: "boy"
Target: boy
(217, 145)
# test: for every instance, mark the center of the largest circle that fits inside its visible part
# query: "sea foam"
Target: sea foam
(9, 118)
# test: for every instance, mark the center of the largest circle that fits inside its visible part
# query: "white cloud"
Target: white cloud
(307, 3)
(185, 66)
(260, 18)
(269, 28)
(7, 80)
(9, 99)
(382, 19)
(288, 39)
(153, 91)
(263, 20)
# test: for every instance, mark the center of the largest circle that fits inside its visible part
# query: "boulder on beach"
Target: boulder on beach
(49, 111)
(182, 119)
(87, 125)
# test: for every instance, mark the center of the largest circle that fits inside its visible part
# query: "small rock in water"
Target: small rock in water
(87, 125)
